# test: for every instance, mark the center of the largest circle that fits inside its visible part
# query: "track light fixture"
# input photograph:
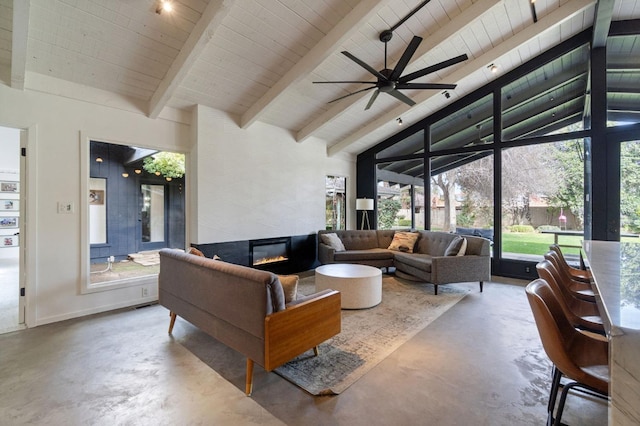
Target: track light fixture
(164, 6)
(399, 120)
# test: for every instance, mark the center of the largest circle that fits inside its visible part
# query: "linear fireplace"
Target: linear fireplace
(270, 251)
(299, 251)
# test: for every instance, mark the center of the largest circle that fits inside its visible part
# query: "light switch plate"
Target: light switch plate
(65, 207)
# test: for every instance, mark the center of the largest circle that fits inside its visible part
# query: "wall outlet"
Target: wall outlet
(527, 269)
(145, 292)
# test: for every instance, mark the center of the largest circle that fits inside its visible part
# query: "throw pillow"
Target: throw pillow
(404, 241)
(454, 246)
(463, 249)
(289, 286)
(193, 250)
(333, 241)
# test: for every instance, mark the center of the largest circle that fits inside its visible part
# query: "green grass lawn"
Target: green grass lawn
(534, 243)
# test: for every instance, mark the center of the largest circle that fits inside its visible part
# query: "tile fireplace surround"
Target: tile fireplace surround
(300, 249)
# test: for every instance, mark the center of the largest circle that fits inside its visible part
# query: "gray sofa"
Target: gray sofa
(427, 262)
(245, 309)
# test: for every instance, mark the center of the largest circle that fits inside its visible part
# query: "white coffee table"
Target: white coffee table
(360, 286)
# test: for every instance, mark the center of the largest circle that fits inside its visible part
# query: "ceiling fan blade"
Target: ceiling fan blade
(436, 86)
(347, 81)
(372, 99)
(433, 68)
(364, 65)
(350, 94)
(406, 57)
(402, 97)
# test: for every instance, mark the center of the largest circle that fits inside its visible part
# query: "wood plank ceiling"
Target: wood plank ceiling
(257, 59)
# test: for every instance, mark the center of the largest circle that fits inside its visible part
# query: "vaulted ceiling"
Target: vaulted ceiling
(257, 59)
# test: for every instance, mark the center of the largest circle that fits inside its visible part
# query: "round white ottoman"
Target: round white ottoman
(360, 286)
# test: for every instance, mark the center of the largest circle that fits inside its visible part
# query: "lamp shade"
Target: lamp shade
(364, 204)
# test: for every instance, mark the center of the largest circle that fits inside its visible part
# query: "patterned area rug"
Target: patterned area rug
(369, 335)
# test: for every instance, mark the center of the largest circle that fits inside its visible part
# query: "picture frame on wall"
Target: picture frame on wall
(8, 222)
(9, 205)
(9, 186)
(9, 241)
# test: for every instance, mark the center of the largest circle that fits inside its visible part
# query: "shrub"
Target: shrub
(521, 228)
(404, 222)
(548, 228)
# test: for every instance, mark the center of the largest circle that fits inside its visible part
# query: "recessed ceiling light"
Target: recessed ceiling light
(493, 68)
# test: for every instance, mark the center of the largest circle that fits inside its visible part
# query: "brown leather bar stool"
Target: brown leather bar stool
(583, 360)
(581, 275)
(580, 313)
(580, 289)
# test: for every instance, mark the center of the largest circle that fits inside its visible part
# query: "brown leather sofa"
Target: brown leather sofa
(245, 309)
(427, 262)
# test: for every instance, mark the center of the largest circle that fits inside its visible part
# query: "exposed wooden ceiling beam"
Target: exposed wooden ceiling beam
(331, 42)
(602, 22)
(19, 42)
(548, 22)
(468, 16)
(202, 33)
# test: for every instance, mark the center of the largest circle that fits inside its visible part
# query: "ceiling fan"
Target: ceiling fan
(391, 81)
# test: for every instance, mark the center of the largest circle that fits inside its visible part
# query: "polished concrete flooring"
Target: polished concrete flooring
(480, 363)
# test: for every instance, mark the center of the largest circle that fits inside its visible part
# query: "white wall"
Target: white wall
(53, 283)
(260, 182)
(241, 184)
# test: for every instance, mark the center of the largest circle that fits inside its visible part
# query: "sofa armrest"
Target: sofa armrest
(325, 253)
(301, 327)
(455, 269)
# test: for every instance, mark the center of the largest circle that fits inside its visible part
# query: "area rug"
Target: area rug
(368, 335)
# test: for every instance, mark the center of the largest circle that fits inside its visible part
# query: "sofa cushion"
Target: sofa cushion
(454, 246)
(359, 240)
(417, 260)
(289, 287)
(463, 248)
(333, 241)
(434, 243)
(355, 255)
(403, 241)
(195, 251)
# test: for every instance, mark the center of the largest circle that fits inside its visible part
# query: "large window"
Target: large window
(623, 80)
(542, 199)
(336, 202)
(547, 99)
(400, 190)
(629, 194)
(462, 193)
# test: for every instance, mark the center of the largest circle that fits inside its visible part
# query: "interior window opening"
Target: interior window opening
(136, 206)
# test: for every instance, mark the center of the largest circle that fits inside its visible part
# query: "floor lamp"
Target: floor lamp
(364, 204)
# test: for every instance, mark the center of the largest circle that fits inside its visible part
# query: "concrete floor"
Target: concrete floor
(480, 363)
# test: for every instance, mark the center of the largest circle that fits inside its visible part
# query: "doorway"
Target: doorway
(152, 217)
(11, 212)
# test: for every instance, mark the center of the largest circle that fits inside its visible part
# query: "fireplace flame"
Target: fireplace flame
(272, 259)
